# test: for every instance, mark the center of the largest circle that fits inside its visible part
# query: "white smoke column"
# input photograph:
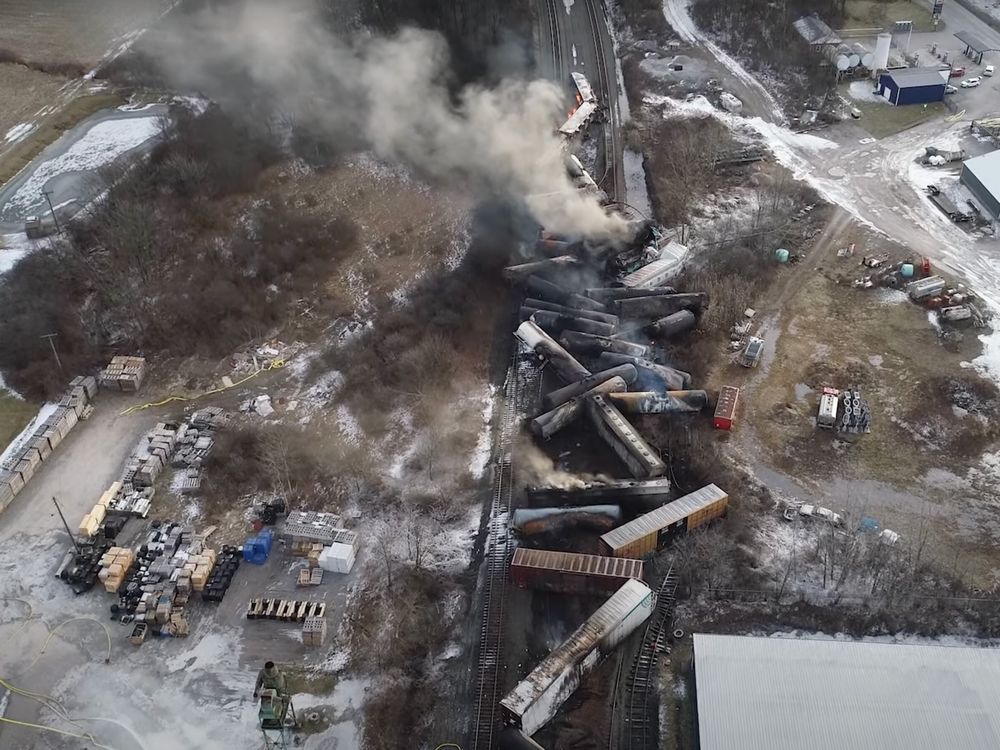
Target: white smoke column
(391, 91)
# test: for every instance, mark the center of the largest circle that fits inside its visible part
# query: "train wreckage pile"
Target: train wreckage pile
(604, 344)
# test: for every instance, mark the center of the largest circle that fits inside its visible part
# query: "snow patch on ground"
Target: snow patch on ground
(452, 547)
(349, 425)
(18, 132)
(862, 91)
(98, 147)
(481, 455)
(12, 449)
(13, 247)
(636, 194)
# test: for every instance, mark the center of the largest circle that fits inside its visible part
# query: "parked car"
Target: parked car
(971, 83)
(988, 70)
(957, 72)
(950, 89)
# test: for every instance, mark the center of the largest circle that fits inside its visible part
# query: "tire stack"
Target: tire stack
(226, 565)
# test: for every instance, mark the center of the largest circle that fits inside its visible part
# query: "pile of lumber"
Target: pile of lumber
(124, 373)
(115, 565)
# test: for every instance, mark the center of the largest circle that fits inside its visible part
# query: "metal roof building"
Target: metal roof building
(788, 694)
(814, 31)
(912, 85)
(982, 176)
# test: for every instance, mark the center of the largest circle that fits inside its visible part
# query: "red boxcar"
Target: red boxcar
(571, 573)
(725, 408)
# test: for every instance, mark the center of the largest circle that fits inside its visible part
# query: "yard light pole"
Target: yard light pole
(48, 199)
(51, 337)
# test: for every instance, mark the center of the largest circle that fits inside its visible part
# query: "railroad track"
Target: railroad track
(520, 387)
(553, 19)
(640, 709)
(612, 167)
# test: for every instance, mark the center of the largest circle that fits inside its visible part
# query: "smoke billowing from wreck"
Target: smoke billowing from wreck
(391, 92)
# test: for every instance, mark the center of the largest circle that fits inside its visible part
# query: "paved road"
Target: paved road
(72, 190)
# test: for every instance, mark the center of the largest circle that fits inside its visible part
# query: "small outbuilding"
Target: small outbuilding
(982, 176)
(912, 85)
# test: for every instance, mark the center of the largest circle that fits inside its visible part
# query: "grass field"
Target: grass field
(882, 120)
(869, 13)
(25, 93)
(79, 31)
(14, 415)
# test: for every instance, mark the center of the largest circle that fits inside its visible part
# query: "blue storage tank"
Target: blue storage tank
(257, 549)
(781, 254)
(906, 270)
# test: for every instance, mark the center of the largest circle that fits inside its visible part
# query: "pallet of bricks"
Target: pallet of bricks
(124, 373)
(173, 563)
(115, 566)
(312, 575)
(38, 445)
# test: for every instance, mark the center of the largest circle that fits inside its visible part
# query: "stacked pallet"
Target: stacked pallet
(37, 443)
(115, 565)
(221, 579)
(124, 373)
(314, 631)
(288, 610)
(93, 520)
(310, 577)
(200, 568)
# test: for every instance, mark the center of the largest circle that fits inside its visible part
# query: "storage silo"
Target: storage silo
(882, 45)
(866, 57)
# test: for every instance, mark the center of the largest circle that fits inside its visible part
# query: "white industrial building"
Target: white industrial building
(758, 693)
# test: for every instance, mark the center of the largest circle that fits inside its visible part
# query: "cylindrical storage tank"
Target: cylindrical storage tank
(672, 325)
(853, 60)
(882, 45)
(906, 270)
(781, 254)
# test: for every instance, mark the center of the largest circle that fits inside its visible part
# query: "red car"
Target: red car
(957, 72)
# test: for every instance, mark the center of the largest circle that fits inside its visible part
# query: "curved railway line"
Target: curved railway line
(612, 126)
(640, 718)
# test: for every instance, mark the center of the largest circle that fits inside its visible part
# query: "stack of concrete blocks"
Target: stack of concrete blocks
(93, 520)
(195, 437)
(36, 447)
(340, 555)
(200, 565)
(115, 565)
(314, 631)
(150, 456)
(310, 526)
(124, 373)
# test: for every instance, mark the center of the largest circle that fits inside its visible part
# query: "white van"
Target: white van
(988, 70)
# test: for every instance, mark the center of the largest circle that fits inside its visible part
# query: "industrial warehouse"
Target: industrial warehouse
(498, 375)
(790, 693)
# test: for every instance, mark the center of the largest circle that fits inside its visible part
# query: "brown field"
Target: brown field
(78, 31)
(25, 93)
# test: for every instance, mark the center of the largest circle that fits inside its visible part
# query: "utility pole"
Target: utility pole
(48, 199)
(71, 537)
(51, 337)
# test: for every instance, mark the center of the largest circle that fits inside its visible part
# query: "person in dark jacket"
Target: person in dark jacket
(270, 678)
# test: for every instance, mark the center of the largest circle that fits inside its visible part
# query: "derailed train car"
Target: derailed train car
(534, 701)
(648, 532)
(571, 573)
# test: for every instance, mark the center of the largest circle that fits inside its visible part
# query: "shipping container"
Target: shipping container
(725, 407)
(624, 440)
(648, 532)
(535, 700)
(570, 573)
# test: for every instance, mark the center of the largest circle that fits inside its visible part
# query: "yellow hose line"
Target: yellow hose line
(274, 364)
(47, 729)
(955, 117)
(54, 630)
